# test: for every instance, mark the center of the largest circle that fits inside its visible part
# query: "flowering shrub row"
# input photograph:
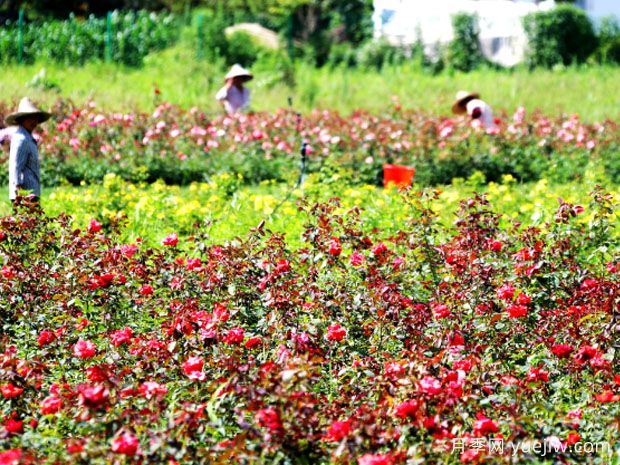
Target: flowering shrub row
(354, 348)
(183, 146)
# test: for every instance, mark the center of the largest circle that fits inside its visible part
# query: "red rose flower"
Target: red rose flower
(282, 266)
(269, 418)
(375, 459)
(9, 391)
(484, 426)
(93, 396)
(11, 457)
(150, 389)
(192, 367)
(125, 444)
(496, 246)
(517, 311)
(440, 310)
(50, 405)
(193, 263)
(379, 249)
(84, 349)
(97, 373)
(506, 292)
(94, 226)
(607, 396)
(121, 336)
(336, 333)
(572, 438)
(146, 289)
(253, 342)
(171, 240)
(45, 337)
(524, 299)
(406, 409)
(14, 426)
(234, 336)
(561, 350)
(585, 354)
(356, 259)
(430, 385)
(75, 447)
(7, 272)
(335, 248)
(338, 431)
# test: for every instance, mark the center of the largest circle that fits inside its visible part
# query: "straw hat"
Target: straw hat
(462, 97)
(238, 71)
(26, 108)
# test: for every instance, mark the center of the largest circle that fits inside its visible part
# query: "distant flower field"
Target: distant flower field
(181, 146)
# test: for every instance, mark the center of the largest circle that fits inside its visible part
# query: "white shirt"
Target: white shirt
(486, 114)
(233, 98)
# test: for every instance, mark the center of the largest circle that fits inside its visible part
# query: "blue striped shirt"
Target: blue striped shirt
(24, 169)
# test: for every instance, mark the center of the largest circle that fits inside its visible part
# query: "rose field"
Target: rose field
(180, 300)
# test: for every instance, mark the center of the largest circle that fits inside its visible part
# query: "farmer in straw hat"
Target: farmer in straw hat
(24, 171)
(470, 103)
(234, 96)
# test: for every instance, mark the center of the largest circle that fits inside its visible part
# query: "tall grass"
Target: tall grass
(182, 79)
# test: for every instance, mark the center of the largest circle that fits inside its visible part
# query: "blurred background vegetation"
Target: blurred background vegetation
(118, 51)
(328, 32)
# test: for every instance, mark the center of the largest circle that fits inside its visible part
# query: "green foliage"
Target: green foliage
(609, 41)
(464, 53)
(564, 35)
(355, 17)
(343, 54)
(211, 35)
(242, 48)
(611, 162)
(378, 53)
(74, 42)
(274, 67)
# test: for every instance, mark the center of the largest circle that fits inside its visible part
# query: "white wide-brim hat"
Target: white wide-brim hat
(26, 108)
(238, 71)
(461, 99)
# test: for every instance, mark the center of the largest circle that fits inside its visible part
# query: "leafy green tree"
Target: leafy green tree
(609, 40)
(464, 53)
(562, 35)
(317, 23)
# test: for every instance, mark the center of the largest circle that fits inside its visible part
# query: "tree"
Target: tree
(464, 53)
(317, 23)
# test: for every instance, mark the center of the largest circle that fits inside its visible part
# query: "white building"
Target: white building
(502, 37)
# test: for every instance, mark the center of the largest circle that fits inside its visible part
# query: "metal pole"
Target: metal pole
(200, 33)
(108, 38)
(20, 37)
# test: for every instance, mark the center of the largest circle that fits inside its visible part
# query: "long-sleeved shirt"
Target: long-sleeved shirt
(24, 168)
(234, 99)
(479, 109)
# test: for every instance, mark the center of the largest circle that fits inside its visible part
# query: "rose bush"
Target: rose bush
(251, 351)
(181, 146)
